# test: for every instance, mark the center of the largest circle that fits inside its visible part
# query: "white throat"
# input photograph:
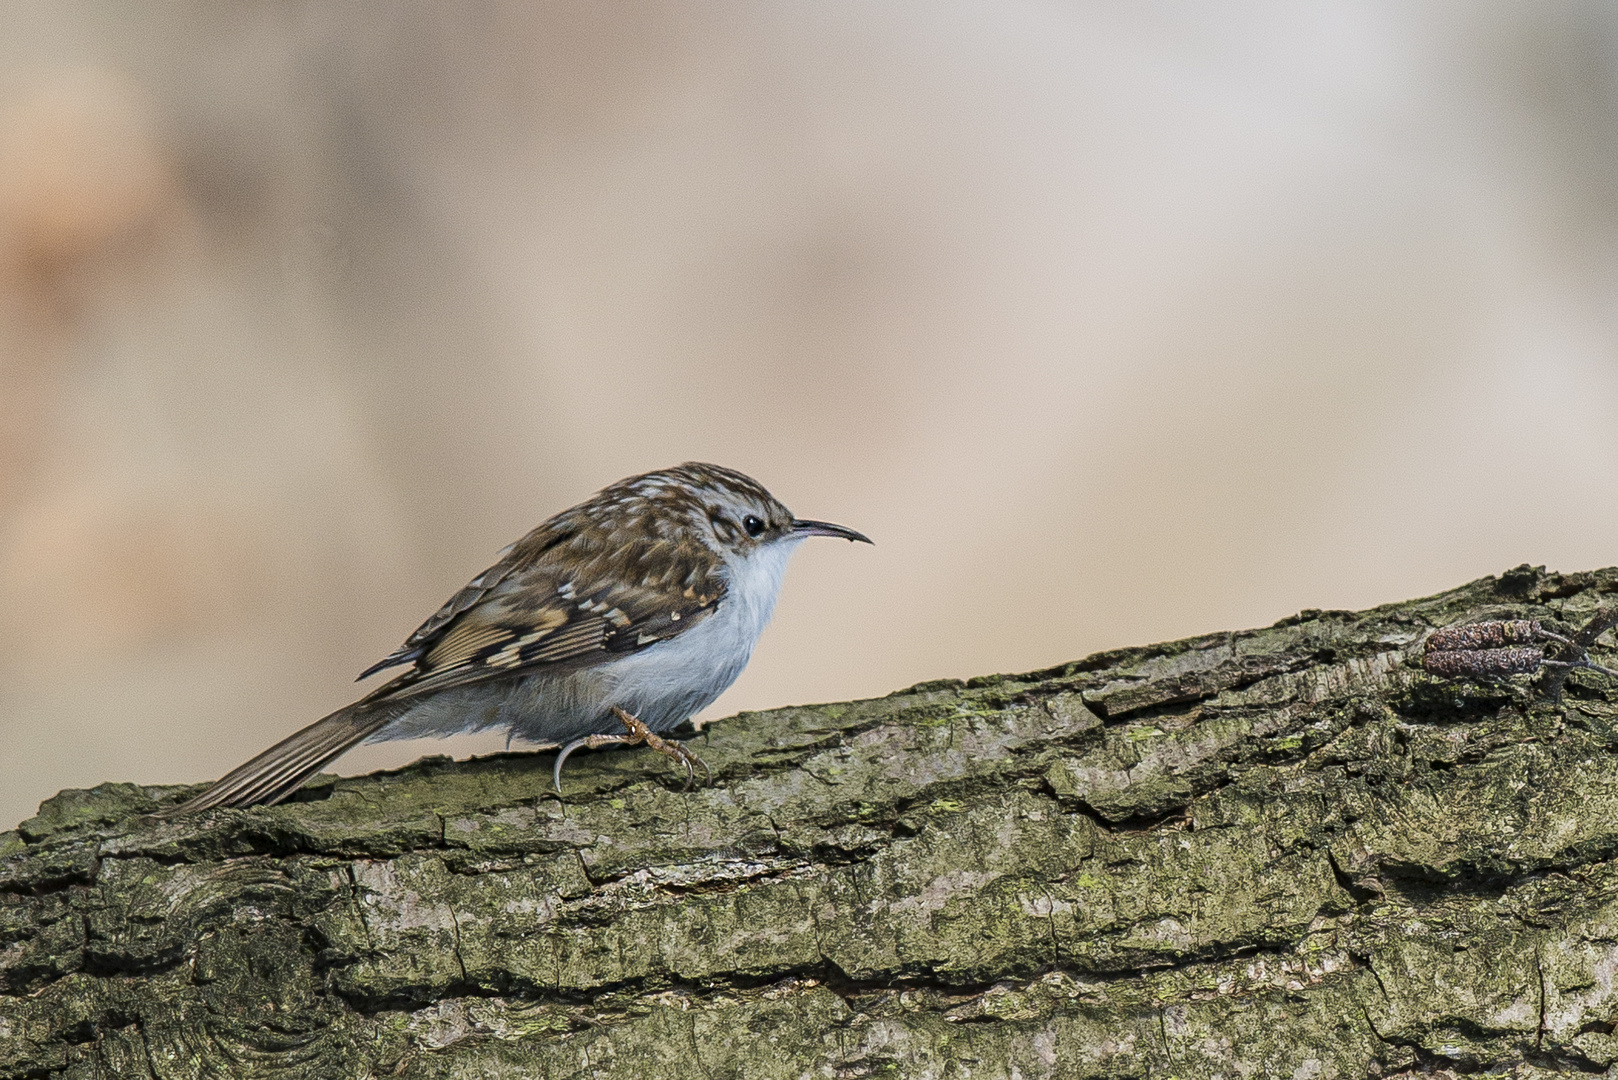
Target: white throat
(754, 584)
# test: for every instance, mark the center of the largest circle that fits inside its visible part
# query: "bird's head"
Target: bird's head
(732, 512)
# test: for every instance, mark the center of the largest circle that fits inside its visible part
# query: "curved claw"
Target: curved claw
(687, 758)
(556, 774)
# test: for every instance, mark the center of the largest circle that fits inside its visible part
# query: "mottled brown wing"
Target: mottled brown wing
(423, 636)
(565, 601)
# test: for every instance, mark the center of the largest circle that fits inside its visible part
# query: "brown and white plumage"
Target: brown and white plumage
(648, 597)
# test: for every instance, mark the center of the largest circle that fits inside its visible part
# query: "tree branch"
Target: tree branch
(1287, 851)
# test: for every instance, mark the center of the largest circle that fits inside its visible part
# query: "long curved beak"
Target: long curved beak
(826, 528)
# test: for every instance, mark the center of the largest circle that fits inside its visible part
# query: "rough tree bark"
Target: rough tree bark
(1286, 851)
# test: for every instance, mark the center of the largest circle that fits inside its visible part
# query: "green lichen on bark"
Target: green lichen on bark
(1285, 851)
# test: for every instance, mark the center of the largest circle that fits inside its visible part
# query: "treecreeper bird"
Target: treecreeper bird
(610, 623)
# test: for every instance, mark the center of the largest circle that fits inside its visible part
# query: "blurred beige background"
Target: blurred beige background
(1111, 322)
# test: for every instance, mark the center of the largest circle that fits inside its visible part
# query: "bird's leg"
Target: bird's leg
(637, 733)
(640, 733)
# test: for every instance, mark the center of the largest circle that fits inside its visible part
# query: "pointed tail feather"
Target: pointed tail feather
(282, 769)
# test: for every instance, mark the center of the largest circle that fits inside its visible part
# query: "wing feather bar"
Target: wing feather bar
(464, 643)
(584, 636)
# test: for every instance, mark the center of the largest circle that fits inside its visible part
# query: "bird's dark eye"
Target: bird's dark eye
(753, 525)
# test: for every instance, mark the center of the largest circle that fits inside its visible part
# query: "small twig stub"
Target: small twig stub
(1484, 663)
(1504, 647)
(1486, 635)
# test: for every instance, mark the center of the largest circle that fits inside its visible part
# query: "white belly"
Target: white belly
(668, 682)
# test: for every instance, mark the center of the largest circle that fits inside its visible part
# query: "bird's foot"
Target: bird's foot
(636, 733)
(640, 733)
